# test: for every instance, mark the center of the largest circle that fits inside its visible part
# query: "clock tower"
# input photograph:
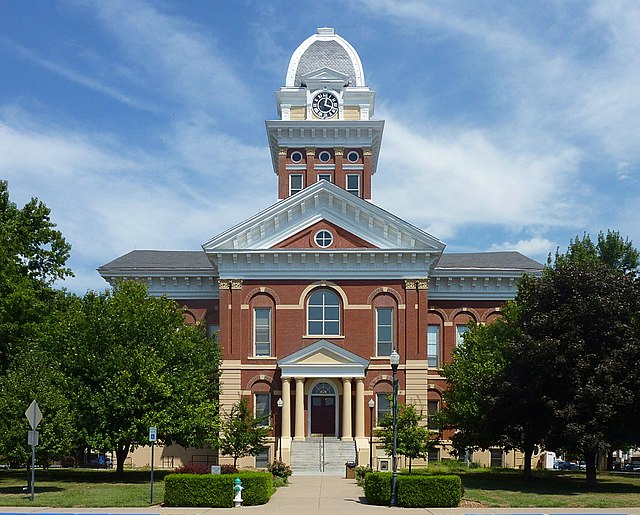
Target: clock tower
(325, 130)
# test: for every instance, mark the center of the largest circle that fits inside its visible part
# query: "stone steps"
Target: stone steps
(306, 457)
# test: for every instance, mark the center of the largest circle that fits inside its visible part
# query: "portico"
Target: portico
(324, 375)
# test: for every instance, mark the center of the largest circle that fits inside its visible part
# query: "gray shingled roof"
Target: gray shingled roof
(505, 260)
(141, 261)
(329, 54)
(151, 260)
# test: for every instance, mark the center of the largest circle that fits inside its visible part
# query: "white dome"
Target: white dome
(325, 49)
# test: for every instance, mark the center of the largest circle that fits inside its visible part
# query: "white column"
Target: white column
(360, 407)
(286, 407)
(299, 435)
(346, 409)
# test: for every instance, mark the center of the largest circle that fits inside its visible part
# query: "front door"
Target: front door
(323, 415)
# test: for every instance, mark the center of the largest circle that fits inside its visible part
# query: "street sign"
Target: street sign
(33, 438)
(153, 434)
(33, 414)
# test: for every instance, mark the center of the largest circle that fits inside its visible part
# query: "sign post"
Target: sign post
(153, 432)
(34, 416)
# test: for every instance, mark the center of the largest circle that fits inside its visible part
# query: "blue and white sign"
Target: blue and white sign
(153, 434)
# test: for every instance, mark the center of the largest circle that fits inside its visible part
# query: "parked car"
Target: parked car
(632, 467)
(101, 461)
(567, 465)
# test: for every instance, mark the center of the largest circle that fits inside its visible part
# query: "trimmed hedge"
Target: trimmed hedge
(414, 491)
(216, 490)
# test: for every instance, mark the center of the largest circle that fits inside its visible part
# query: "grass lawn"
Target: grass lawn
(66, 488)
(547, 488)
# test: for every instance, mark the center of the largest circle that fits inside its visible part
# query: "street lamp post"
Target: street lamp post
(371, 405)
(280, 403)
(394, 359)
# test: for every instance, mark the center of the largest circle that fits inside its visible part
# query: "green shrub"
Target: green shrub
(414, 491)
(377, 488)
(429, 491)
(216, 490)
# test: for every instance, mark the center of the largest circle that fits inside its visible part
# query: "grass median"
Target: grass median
(548, 489)
(68, 488)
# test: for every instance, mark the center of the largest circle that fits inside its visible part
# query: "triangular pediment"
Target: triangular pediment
(342, 239)
(325, 75)
(323, 359)
(324, 201)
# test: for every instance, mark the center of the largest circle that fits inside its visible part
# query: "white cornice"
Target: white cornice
(325, 133)
(324, 200)
(319, 264)
(175, 285)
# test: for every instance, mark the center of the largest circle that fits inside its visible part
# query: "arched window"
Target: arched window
(323, 314)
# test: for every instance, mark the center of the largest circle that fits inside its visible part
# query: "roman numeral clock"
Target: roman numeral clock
(325, 105)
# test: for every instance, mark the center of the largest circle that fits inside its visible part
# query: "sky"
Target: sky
(508, 125)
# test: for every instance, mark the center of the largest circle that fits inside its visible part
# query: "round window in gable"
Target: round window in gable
(324, 156)
(353, 156)
(323, 238)
(296, 156)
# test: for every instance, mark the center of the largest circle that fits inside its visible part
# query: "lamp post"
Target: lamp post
(371, 405)
(280, 403)
(394, 359)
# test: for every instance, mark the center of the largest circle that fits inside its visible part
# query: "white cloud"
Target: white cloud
(179, 56)
(461, 176)
(537, 247)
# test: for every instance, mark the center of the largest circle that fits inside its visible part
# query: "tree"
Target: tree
(136, 363)
(32, 257)
(491, 400)
(35, 374)
(555, 371)
(242, 433)
(584, 314)
(413, 439)
(610, 250)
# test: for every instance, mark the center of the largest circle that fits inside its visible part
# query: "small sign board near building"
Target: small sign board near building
(215, 469)
(153, 433)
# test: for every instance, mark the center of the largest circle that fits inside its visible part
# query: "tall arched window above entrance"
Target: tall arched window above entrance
(323, 314)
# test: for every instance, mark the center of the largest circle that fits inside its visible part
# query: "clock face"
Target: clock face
(325, 105)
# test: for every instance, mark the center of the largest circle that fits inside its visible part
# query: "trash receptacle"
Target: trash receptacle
(350, 470)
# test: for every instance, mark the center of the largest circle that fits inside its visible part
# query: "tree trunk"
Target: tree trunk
(528, 453)
(122, 451)
(410, 461)
(590, 456)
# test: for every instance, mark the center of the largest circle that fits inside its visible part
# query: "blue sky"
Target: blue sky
(509, 125)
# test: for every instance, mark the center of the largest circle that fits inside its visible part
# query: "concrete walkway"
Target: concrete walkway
(318, 495)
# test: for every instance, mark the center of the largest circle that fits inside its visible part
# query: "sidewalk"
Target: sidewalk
(317, 495)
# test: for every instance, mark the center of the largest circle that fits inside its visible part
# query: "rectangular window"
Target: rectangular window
(384, 331)
(262, 331)
(262, 459)
(460, 330)
(383, 406)
(295, 183)
(434, 455)
(433, 346)
(324, 177)
(432, 412)
(496, 458)
(353, 184)
(213, 330)
(262, 408)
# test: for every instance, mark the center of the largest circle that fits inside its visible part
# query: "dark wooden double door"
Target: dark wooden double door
(323, 415)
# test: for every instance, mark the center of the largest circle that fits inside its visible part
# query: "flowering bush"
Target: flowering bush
(280, 469)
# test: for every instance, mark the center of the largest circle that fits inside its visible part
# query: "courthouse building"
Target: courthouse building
(311, 294)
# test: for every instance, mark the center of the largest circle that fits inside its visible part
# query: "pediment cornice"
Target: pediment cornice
(324, 201)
